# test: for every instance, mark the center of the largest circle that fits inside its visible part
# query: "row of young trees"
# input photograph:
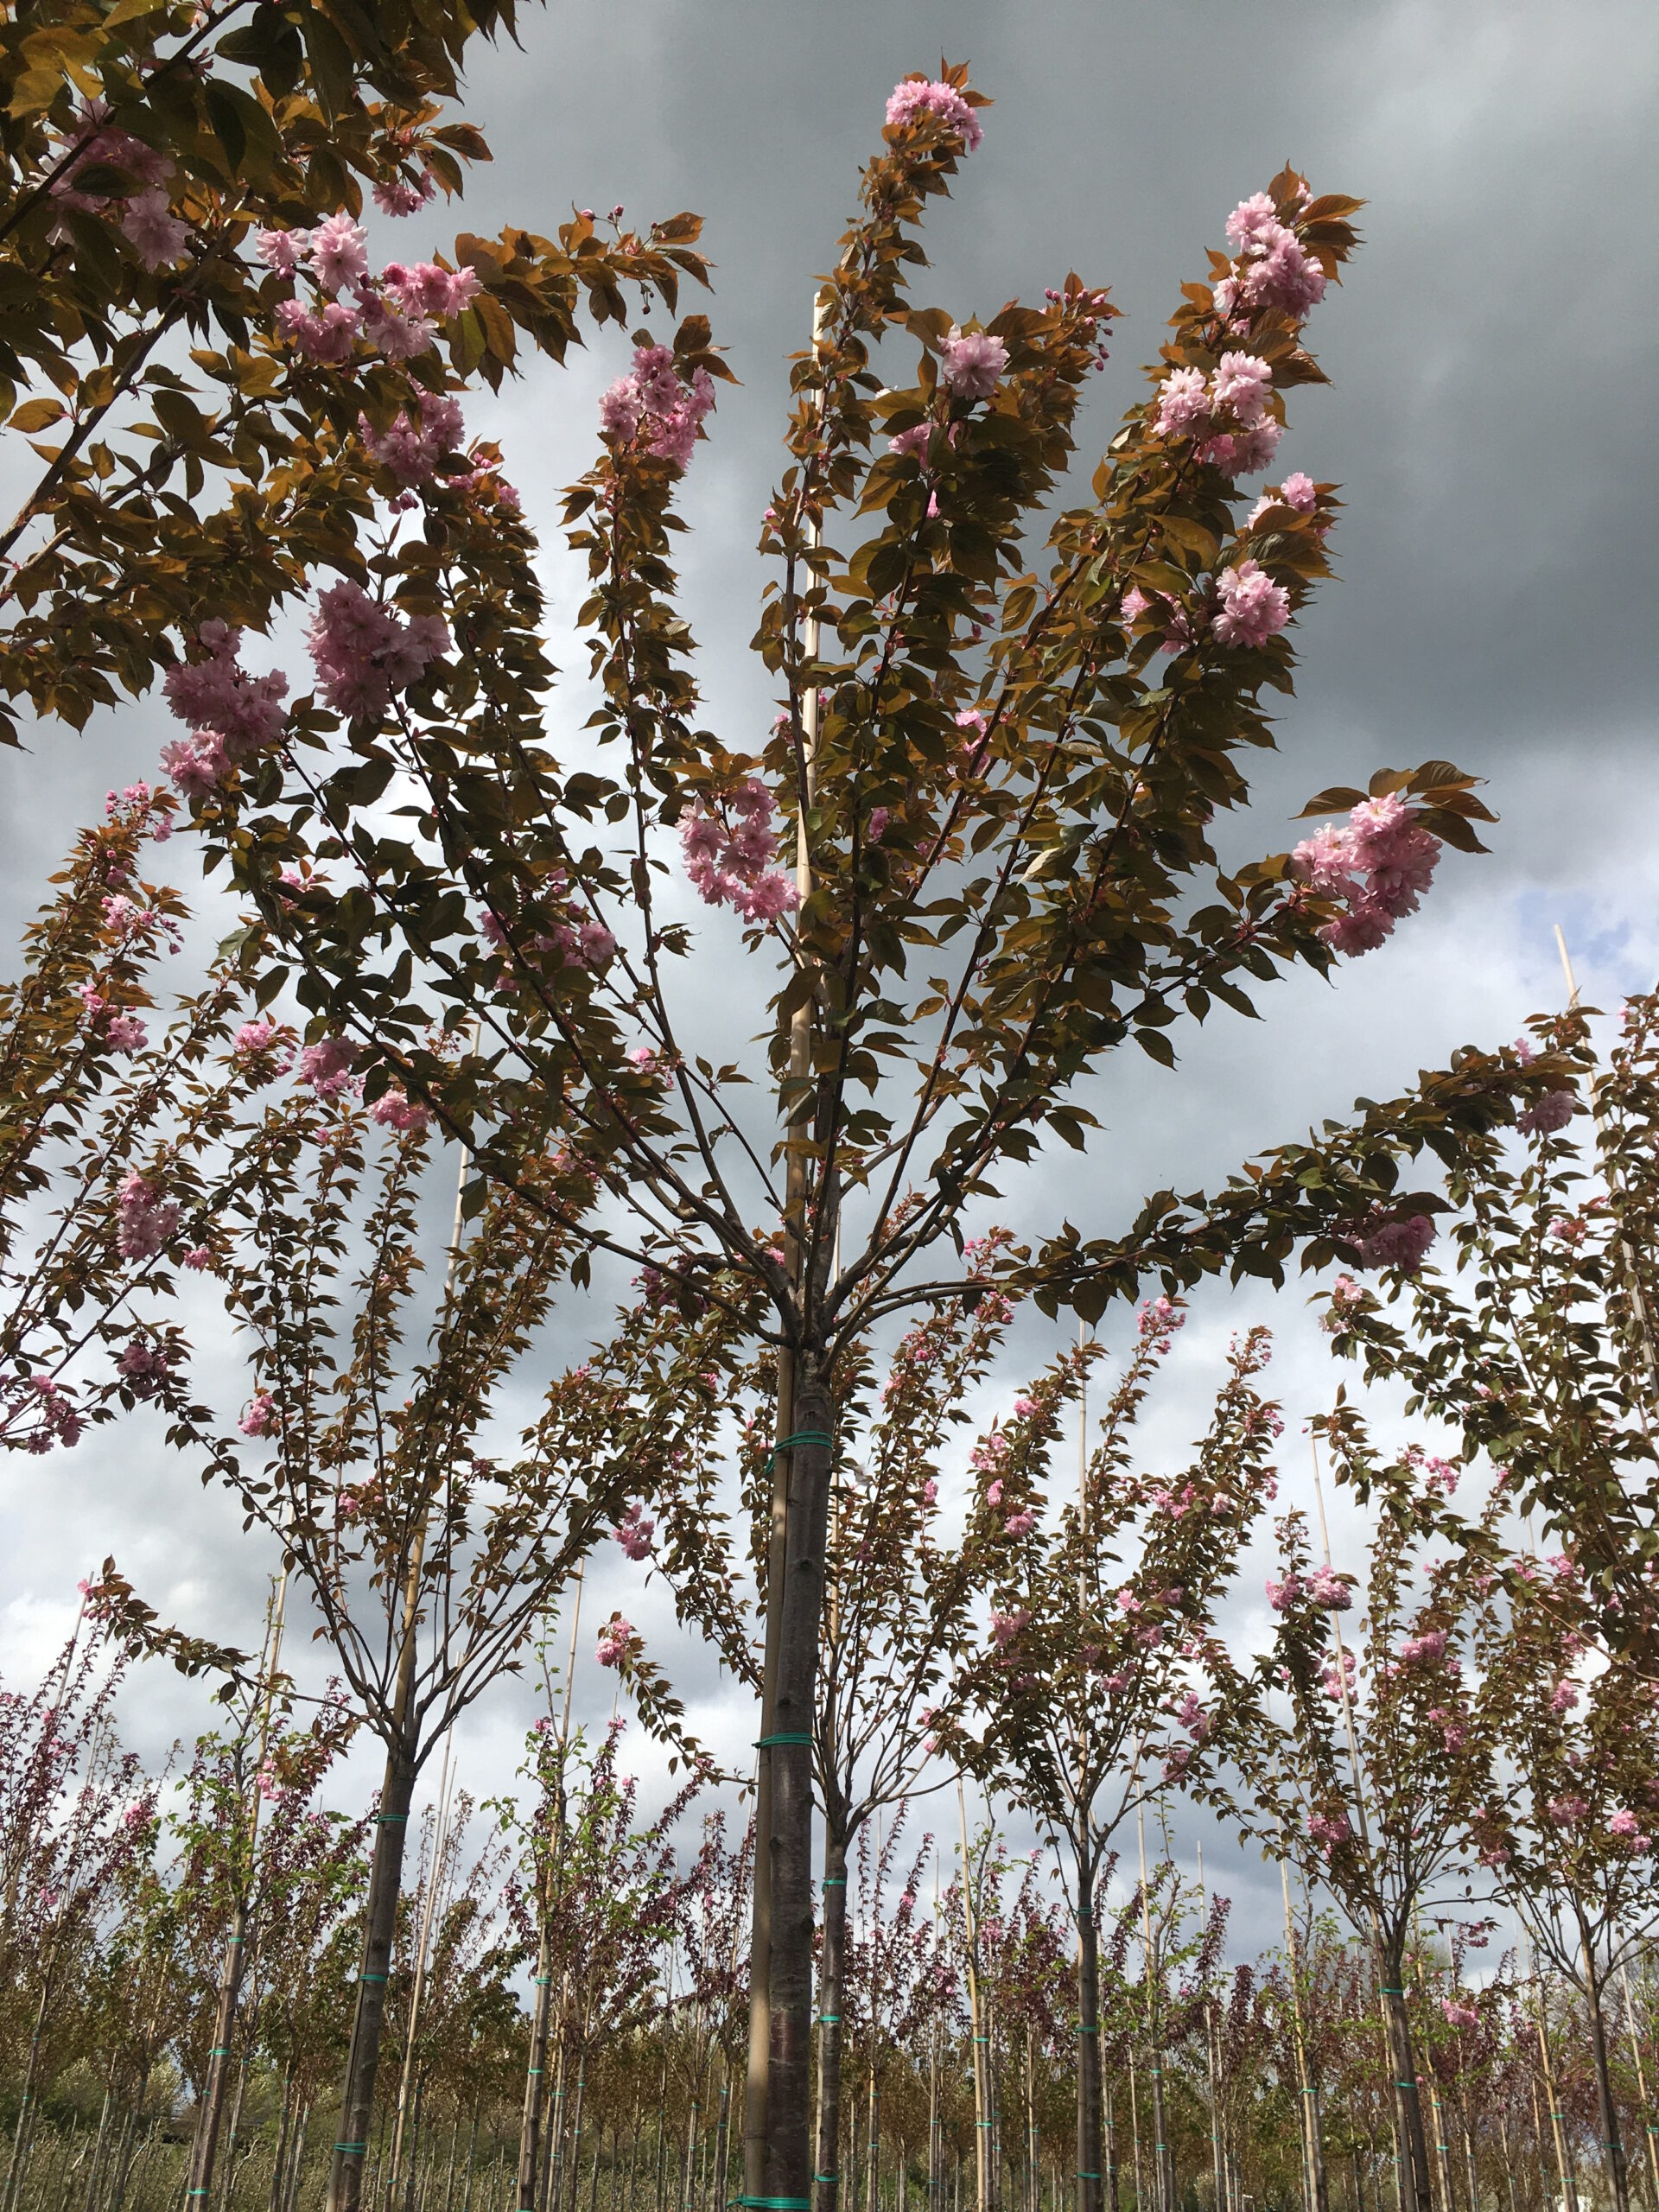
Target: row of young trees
(972, 860)
(954, 2061)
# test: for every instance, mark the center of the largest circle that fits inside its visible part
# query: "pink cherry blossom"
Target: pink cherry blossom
(972, 362)
(145, 1366)
(613, 1641)
(1241, 385)
(1182, 404)
(281, 251)
(394, 1110)
(1567, 1812)
(196, 765)
(1283, 1595)
(651, 397)
(125, 1033)
(411, 447)
(327, 337)
(244, 712)
(1253, 608)
(260, 1419)
(1426, 1649)
(1402, 1243)
(916, 97)
(1551, 1112)
(1020, 1524)
(155, 234)
(326, 1065)
(1327, 1588)
(145, 1221)
(365, 653)
(338, 253)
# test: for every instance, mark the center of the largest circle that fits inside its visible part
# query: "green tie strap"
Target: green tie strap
(765, 1743)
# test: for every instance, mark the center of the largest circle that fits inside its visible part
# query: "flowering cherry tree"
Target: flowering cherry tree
(1535, 1341)
(972, 858)
(1091, 1688)
(1375, 1779)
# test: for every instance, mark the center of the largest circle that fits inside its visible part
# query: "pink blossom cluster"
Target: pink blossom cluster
(732, 866)
(365, 653)
(402, 195)
(144, 1220)
(971, 362)
(1567, 1812)
(1333, 1682)
(1327, 1588)
(145, 1365)
(1564, 1697)
(1252, 608)
(1625, 1825)
(1551, 1112)
(1426, 1649)
(1328, 1830)
(393, 312)
(261, 1417)
(1285, 1593)
(60, 1423)
(394, 1111)
(1225, 412)
(613, 1641)
(148, 223)
(1297, 492)
(1271, 266)
(1006, 1626)
(254, 1040)
(634, 1532)
(1459, 2015)
(1378, 864)
(1382, 1240)
(234, 714)
(1157, 1319)
(1191, 1715)
(411, 447)
(652, 395)
(326, 1065)
(916, 96)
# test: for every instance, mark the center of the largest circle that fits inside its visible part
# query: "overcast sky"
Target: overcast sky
(1492, 421)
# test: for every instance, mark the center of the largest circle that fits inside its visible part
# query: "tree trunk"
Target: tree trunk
(25, 2127)
(95, 2169)
(1415, 2191)
(1613, 2140)
(279, 2156)
(363, 2056)
(788, 1983)
(826, 2179)
(234, 2133)
(1091, 2167)
(296, 2165)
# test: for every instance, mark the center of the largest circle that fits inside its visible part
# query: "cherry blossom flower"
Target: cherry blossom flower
(1283, 1595)
(613, 1641)
(1392, 1242)
(652, 398)
(1426, 1649)
(1253, 608)
(338, 253)
(1327, 1588)
(260, 1419)
(1551, 1112)
(394, 1110)
(634, 1533)
(125, 1033)
(364, 654)
(145, 1366)
(242, 712)
(730, 865)
(145, 1221)
(326, 1065)
(916, 97)
(972, 362)
(411, 447)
